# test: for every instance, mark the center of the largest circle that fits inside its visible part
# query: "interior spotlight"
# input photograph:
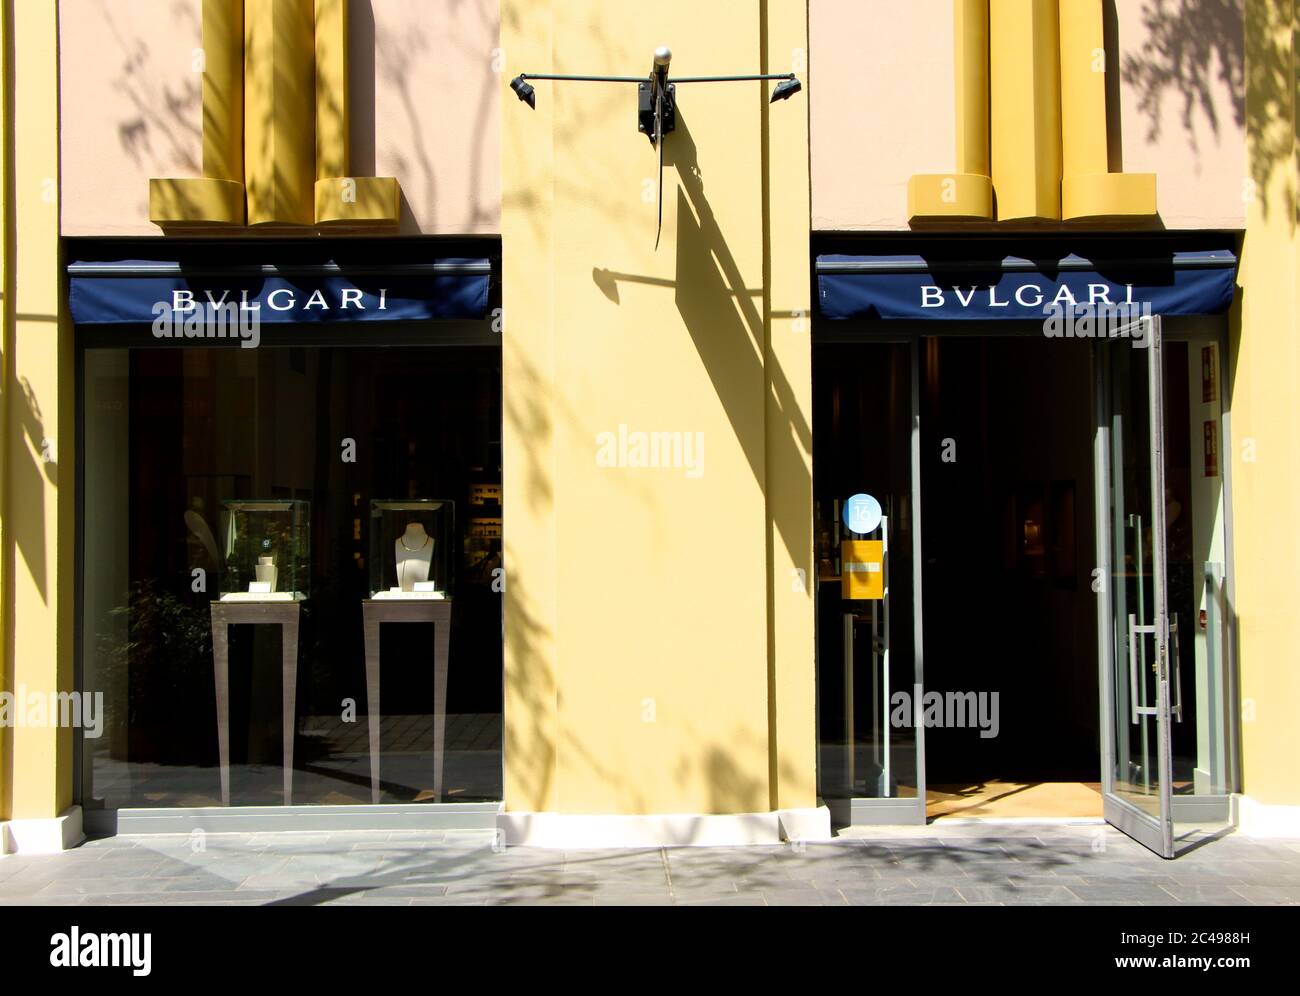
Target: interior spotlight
(524, 91)
(785, 90)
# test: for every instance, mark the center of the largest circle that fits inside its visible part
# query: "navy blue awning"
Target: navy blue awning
(137, 290)
(947, 287)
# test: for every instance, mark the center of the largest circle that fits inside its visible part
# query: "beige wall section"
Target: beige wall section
(881, 101)
(425, 107)
(130, 108)
(1184, 118)
(37, 492)
(645, 663)
(881, 92)
(1266, 424)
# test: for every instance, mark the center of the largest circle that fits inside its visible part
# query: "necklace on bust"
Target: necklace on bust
(411, 549)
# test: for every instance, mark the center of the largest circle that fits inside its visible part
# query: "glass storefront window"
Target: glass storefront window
(254, 475)
(863, 424)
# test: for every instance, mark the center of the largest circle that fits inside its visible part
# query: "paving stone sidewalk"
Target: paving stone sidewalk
(941, 864)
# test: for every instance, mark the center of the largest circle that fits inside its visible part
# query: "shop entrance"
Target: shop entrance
(1051, 637)
(1001, 430)
(1010, 622)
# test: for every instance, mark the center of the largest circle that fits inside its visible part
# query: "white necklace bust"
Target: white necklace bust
(414, 552)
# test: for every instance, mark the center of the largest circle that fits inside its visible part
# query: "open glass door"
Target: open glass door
(1166, 744)
(1135, 750)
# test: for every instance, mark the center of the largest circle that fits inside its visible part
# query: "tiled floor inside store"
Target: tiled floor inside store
(945, 863)
(332, 767)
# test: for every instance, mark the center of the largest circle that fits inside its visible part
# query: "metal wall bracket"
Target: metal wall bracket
(645, 109)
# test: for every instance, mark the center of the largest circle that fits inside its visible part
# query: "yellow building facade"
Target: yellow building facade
(626, 392)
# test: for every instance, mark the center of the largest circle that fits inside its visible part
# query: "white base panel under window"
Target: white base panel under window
(565, 830)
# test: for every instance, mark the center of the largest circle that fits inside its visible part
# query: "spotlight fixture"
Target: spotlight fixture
(785, 90)
(656, 109)
(523, 91)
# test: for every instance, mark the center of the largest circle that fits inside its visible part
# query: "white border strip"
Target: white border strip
(1258, 819)
(43, 836)
(966, 821)
(574, 831)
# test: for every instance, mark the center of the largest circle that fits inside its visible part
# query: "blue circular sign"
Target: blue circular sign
(861, 514)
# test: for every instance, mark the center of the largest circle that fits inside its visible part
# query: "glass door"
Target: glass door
(1166, 769)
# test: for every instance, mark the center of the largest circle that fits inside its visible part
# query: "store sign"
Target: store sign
(864, 569)
(862, 514)
(911, 287)
(132, 291)
(184, 300)
(1210, 433)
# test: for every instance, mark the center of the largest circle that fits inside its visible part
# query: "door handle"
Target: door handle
(1133, 681)
(1177, 709)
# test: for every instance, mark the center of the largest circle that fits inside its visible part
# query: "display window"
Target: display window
(291, 583)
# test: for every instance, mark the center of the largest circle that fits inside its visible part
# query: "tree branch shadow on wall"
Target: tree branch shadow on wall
(396, 55)
(726, 322)
(1197, 48)
(707, 272)
(27, 477)
(163, 118)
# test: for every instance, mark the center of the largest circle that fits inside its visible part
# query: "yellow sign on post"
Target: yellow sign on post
(863, 572)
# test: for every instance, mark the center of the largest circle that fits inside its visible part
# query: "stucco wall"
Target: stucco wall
(882, 94)
(1182, 107)
(424, 100)
(659, 659)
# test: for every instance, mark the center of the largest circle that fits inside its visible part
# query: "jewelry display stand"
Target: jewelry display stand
(376, 612)
(284, 614)
(412, 556)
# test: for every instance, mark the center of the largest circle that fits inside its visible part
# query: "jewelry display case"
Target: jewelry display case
(411, 548)
(267, 550)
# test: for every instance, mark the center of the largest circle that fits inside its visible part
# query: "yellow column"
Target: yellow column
(279, 111)
(1024, 101)
(217, 197)
(37, 489)
(528, 232)
(791, 654)
(656, 433)
(967, 193)
(339, 197)
(1266, 420)
(1088, 189)
(971, 47)
(332, 139)
(6, 352)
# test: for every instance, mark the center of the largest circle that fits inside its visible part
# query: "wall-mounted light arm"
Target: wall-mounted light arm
(734, 79)
(787, 86)
(656, 99)
(578, 79)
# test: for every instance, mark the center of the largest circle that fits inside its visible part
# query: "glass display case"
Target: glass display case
(411, 548)
(267, 550)
(481, 547)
